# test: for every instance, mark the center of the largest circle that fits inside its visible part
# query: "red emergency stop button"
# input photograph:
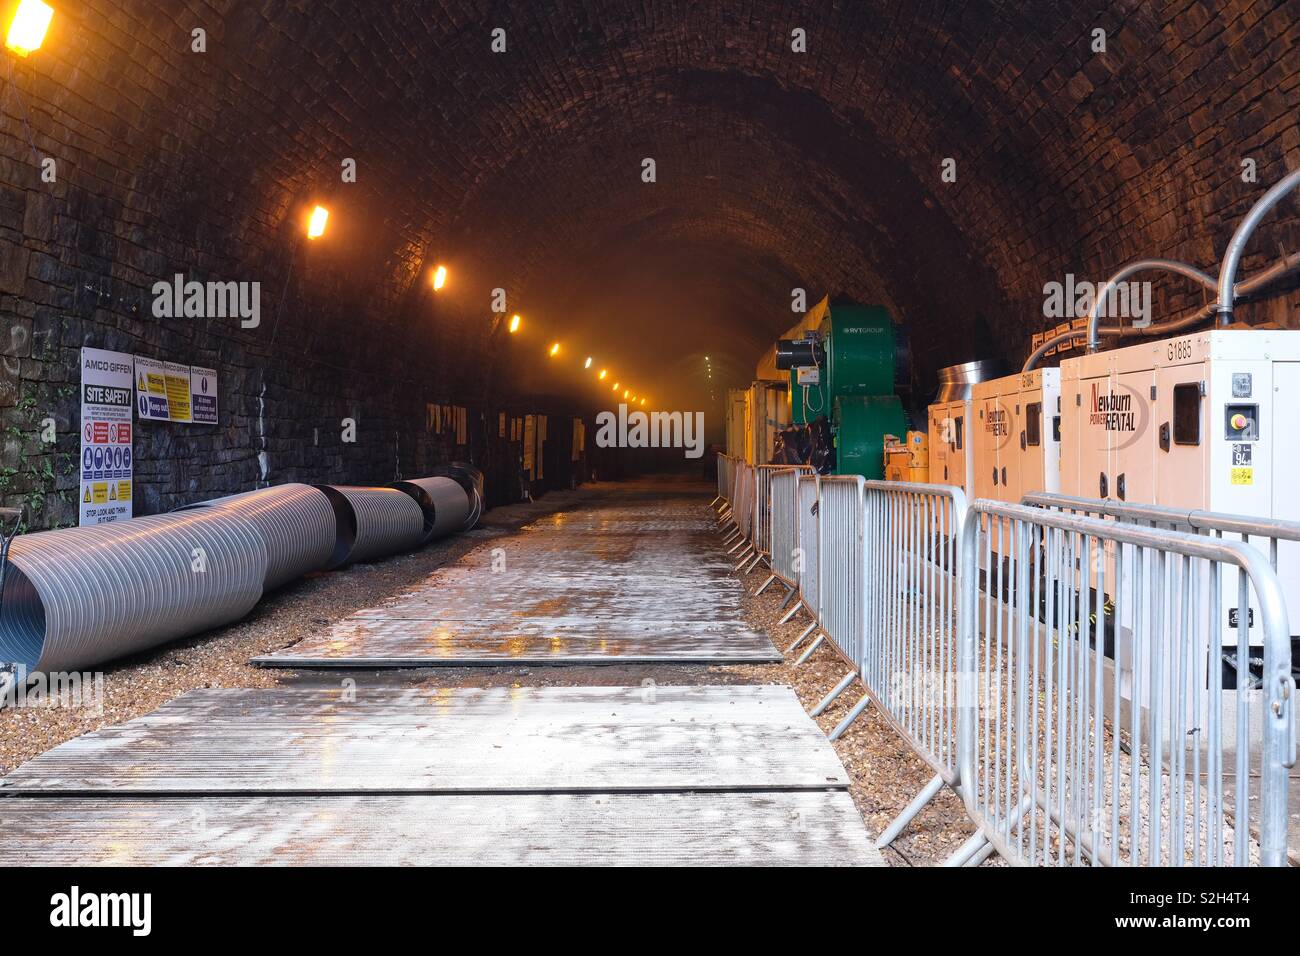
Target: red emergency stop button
(1239, 421)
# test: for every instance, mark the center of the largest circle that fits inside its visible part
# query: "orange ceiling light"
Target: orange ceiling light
(555, 349)
(316, 222)
(514, 323)
(27, 29)
(439, 278)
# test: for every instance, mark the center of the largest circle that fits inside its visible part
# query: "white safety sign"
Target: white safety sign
(203, 395)
(106, 432)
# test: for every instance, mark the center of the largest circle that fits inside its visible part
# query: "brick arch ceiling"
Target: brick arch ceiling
(775, 169)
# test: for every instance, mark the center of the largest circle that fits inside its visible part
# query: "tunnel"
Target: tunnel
(629, 352)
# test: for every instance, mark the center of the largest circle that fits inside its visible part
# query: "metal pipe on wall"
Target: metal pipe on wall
(372, 523)
(296, 521)
(81, 596)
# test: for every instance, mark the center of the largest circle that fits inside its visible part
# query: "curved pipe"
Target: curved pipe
(1245, 288)
(1237, 245)
(1141, 265)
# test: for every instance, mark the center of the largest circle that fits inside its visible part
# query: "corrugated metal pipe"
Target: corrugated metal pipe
(297, 523)
(471, 479)
(81, 596)
(1248, 287)
(1237, 244)
(444, 502)
(372, 523)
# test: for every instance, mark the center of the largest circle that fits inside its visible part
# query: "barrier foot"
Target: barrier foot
(763, 587)
(811, 647)
(744, 556)
(799, 640)
(789, 594)
(753, 564)
(984, 853)
(715, 501)
(850, 717)
(835, 692)
(730, 536)
(738, 545)
(792, 612)
(967, 850)
(918, 803)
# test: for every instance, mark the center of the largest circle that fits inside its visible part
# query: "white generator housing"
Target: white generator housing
(1016, 435)
(1204, 421)
(951, 447)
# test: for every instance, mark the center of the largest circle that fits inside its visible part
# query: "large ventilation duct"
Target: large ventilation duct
(444, 502)
(471, 479)
(372, 523)
(81, 596)
(297, 523)
(956, 381)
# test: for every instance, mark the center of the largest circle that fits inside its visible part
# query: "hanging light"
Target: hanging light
(555, 350)
(616, 386)
(627, 392)
(514, 323)
(27, 28)
(587, 364)
(643, 401)
(316, 223)
(439, 278)
(602, 375)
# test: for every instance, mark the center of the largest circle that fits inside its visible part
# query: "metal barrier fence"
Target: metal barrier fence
(726, 472)
(842, 563)
(1054, 768)
(1068, 691)
(783, 549)
(1273, 530)
(910, 650)
(763, 475)
(810, 544)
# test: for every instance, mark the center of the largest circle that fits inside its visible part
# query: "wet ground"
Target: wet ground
(884, 774)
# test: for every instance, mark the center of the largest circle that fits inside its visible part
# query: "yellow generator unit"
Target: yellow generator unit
(907, 460)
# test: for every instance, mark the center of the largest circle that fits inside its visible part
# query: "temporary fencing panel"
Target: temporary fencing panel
(1053, 767)
(911, 650)
(785, 525)
(810, 544)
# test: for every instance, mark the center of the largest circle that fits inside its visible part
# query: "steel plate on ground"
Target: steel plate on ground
(600, 829)
(447, 740)
(607, 584)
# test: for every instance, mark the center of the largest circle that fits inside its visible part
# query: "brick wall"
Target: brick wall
(521, 170)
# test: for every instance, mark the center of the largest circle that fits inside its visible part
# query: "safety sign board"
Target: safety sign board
(178, 391)
(171, 392)
(203, 395)
(151, 390)
(106, 433)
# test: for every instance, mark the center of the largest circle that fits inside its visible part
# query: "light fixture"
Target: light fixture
(602, 375)
(587, 364)
(27, 28)
(643, 401)
(514, 323)
(627, 392)
(316, 224)
(555, 350)
(439, 278)
(616, 386)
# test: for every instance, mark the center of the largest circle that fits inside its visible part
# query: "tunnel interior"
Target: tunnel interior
(645, 184)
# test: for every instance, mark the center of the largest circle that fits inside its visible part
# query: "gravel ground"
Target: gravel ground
(885, 773)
